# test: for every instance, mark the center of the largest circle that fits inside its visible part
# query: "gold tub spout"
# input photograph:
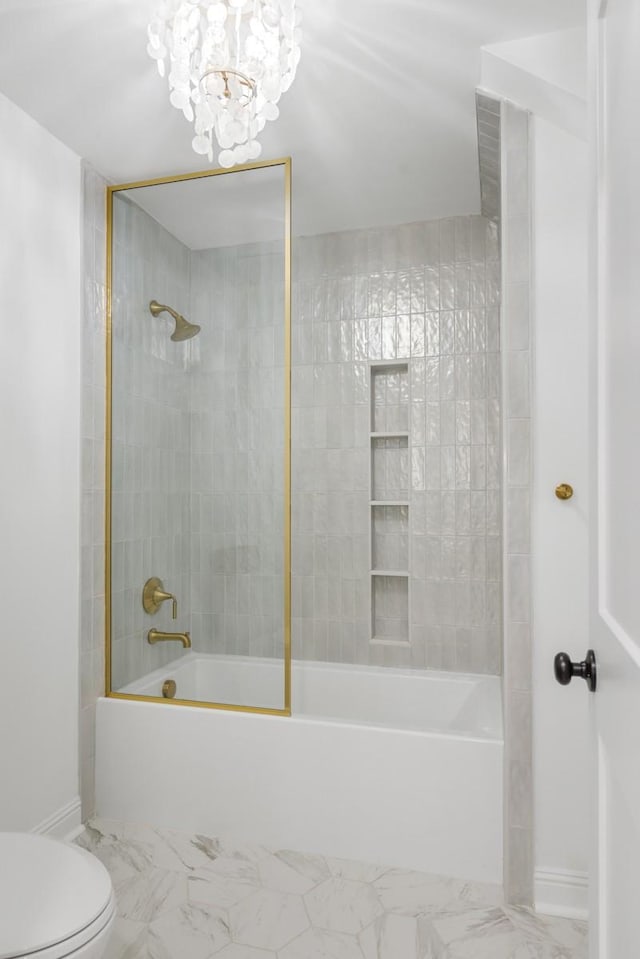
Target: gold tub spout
(156, 636)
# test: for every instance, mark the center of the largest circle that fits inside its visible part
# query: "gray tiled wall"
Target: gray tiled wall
(489, 158)
(237, 450)
(150, 439)
(93, 476)
(198, 430)
(426, 294)
(517, 349)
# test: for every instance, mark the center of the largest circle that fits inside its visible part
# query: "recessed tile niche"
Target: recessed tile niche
(390, 463)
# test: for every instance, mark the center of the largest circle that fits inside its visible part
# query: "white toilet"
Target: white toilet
(56, 900)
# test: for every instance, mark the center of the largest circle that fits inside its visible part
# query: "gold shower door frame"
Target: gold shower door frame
(284, 162)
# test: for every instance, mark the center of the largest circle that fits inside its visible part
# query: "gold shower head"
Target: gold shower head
(183, 330)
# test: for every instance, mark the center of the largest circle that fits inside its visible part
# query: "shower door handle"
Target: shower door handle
(565, 670)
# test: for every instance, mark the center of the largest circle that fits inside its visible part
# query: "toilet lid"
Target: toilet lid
(49, 892)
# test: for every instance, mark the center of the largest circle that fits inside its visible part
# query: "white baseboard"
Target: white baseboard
(559, 893)
(65, 823)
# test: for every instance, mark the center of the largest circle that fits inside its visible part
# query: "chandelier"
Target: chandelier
(229, 62)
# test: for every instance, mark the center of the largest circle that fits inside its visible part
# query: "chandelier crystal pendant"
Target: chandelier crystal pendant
(229, 62)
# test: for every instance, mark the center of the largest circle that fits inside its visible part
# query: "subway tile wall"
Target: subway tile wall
(489, 159)
(517, 352)
(427, 294)
(93, 475)
(198, 445)
(151, 465)
(237, 451)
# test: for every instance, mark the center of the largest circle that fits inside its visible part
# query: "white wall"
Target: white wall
(560, 58)
(559, 529)
(39, 473)
(547, 74)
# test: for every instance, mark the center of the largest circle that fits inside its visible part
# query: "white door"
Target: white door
(615, 569)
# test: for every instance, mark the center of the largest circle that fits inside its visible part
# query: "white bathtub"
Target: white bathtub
(401, 767)
(401, 698)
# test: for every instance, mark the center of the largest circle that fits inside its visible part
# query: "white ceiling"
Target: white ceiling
(379, 122)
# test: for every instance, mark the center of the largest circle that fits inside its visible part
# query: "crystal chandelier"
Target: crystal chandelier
(229, 61)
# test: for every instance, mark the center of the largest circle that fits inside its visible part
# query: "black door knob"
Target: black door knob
(565, 670)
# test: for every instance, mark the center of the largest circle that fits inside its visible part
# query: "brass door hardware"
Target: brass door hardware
(154, 595)
(157, 636)
(564, 491)
(169, 688)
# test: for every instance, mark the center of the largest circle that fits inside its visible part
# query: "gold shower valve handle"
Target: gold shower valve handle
(154, 595)
(564, 491)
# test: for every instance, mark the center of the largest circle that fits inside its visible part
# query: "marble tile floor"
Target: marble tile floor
(192, 897)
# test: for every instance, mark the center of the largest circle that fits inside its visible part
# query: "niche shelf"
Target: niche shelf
(390, 458)
(389, 502)
(389, 572)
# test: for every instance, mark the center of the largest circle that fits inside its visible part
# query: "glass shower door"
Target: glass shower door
(198, 438)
